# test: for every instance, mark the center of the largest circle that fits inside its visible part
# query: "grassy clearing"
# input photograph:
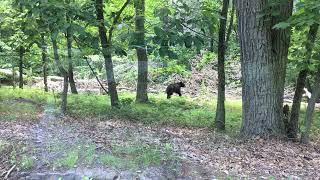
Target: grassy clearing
(181, 111)
(21, 104)
(178, 111)
(12, 110)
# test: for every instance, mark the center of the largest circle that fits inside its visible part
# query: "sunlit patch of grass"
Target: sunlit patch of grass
(70, 160)
(12, 110)
(3, 145)
(111, 160)
(35, 95)
(26, 162)
(177, 111)
(136, 155)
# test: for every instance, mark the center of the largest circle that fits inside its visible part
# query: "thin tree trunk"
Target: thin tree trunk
(263, 65)
(300, 84)
(70, 65)
(44, 63)
(21, 60)
(69, 45)
(230, 23)
(220, 110)
(64, 96)
(142, 86)
(13, 77)
(211, 43)
(107, 53)
(295, 110)
(310, 109)
(64, 74)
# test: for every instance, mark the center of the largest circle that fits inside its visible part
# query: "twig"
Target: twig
(9, 172)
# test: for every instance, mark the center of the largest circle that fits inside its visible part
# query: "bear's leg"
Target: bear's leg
(179, 92)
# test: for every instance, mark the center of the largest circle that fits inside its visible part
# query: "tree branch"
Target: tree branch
(116, 19)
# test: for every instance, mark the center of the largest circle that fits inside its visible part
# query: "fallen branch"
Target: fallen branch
(92, 70)
(95, 74)
(9, 172)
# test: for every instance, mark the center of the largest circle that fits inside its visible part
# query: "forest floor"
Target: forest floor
(36, 143)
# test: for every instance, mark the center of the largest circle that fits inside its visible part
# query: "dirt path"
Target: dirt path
(77, 147)
(54, 139)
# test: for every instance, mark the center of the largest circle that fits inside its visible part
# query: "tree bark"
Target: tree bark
(300, 84)
(310, 109)
(142, 86)
(64, 96)
(220, 110)
(70, 65)
(64, 74)
(107, 53)
(21, 60)
(263, 65)
(69, 47)
(44, 63)
(230, 23)
(13, 77)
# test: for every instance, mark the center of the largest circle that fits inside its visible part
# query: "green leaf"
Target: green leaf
(281, 25)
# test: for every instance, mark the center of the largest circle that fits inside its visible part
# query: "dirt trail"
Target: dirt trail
(60, 147)
(53, 137)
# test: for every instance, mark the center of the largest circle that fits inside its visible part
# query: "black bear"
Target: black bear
(174, 88)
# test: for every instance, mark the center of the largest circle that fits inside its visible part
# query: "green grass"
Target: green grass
(70, 160)
(178, 111)
(35, 95)
(3, 145)
(136, 155)
(26, 162)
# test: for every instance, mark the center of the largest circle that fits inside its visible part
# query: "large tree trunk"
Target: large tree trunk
(310, 109)
(107, 53)
(300, 84)
(44, 63)
(21, 59)
(263, 64)
(142, 86)
(64, 74)
(220, 110)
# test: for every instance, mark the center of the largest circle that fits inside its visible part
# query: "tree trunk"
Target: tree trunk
(70, 65)
(107, 53)
(21, 59)
(220, 110)
(295, 110)
(64, 95)
(142, 86)
(13, 77)
(64, 74)
(263, 65)
(230, 23)
(310, 109)
(300, 84)
(44, 63)
(69, 47)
